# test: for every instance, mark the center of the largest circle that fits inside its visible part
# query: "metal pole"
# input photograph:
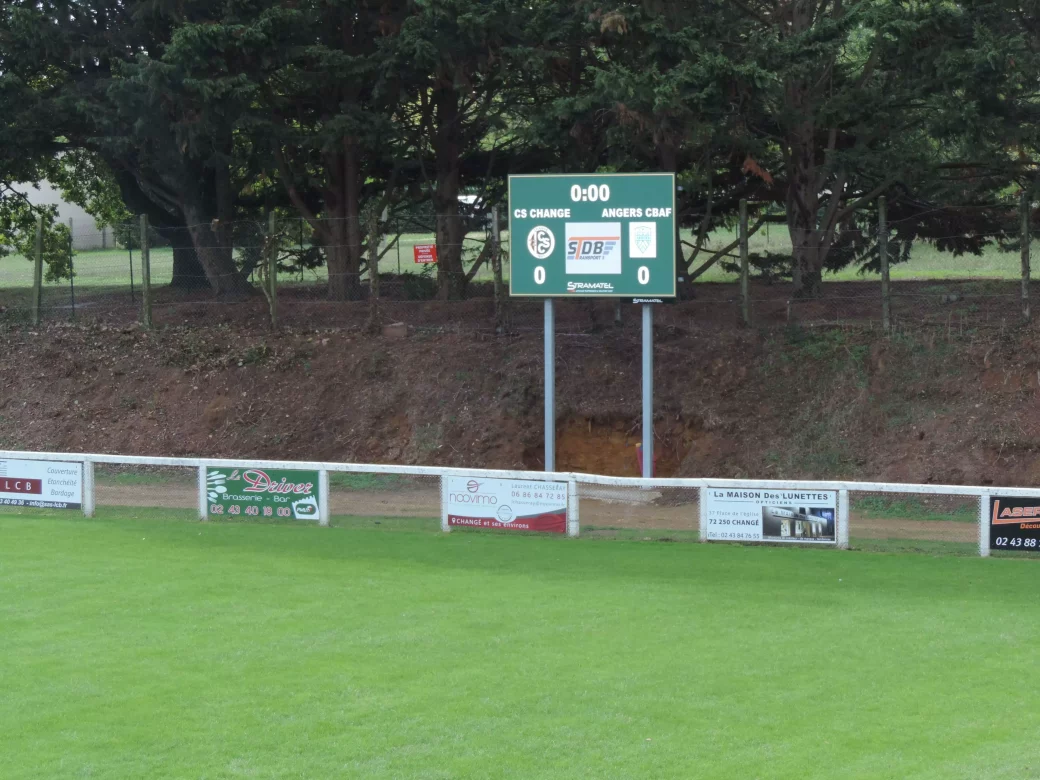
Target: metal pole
(72, 273)
(550, 386)
(1025, 255)
(146, 275)
(37, 301)
(745, 274)
(648, 390)
(130, 249)
(886, 301)
(272, 267)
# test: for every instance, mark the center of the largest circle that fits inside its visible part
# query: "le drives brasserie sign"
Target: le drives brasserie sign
(254, 492)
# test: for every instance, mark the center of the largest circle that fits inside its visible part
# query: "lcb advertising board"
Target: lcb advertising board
(518, 505)
(600, 235)
(1014, 522)
(743, 515)
(253, 492)
(46, 484)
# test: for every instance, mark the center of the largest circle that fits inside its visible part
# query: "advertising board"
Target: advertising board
(46, 484)
(1014, 523)
(425, 253)
(251, 492)
(753, 515)
(599, 235)
(515, 504)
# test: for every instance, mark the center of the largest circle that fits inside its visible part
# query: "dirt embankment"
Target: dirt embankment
(929, 406)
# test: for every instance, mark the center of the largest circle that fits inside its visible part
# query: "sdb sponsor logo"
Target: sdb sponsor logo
(593, 247)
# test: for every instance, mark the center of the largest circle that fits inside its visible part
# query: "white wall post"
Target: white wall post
(984, 501)
(573, 500)
(444, 510)
(203, 498)
(702, 506)
(323, 497)
(88, 488)
(842, 521)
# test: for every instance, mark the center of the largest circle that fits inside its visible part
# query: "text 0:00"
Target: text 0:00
(1004, 541)
(593, 193)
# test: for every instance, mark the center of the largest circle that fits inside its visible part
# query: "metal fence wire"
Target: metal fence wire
(296, 274)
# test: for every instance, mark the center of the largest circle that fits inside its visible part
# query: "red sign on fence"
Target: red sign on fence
(425, 253)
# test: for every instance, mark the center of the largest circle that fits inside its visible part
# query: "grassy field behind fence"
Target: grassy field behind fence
(164, 648)
(111, 268)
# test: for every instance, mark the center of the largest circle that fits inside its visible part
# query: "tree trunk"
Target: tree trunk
(213, 249)
(451, 276)
(803, 205)
(188, 273)
(342, 228)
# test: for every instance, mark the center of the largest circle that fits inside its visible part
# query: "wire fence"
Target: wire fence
(292, 273)
(874, 517)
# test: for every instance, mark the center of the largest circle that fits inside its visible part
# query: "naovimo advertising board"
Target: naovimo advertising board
(247, 492)
(513, 504)
(45, 484)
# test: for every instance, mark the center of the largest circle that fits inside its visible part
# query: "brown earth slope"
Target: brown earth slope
(928, 406)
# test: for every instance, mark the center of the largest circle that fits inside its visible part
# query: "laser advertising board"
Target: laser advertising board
(600, 235)
(516, 504)
(1014, 523)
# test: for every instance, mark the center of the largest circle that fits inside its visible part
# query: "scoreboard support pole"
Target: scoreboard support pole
(550, 386)
(648, 390)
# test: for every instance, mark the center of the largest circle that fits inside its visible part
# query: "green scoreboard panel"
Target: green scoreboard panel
(603, 235)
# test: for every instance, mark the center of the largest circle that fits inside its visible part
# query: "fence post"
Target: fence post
(88, 488)
(444, 511)
(1025, 239)
(37, 303)
(984, 524)
(496, 266)
(843, 520)
(886, 299)
(203, 499)
(573, 524)
(702, 511)
(130, 250)
(373, 273)
(745, 274)
(72, 274)
(272, 267)
(146, 275)
(323, 497)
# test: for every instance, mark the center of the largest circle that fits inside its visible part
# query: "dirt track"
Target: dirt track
(425, 502)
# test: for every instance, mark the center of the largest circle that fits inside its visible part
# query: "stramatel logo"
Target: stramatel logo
(590, 287)
(593, 247)
(541, 242)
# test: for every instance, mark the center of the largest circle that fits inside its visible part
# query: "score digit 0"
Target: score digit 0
(644, 275)
(539, 274)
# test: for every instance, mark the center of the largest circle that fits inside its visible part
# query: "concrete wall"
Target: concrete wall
(85, 234)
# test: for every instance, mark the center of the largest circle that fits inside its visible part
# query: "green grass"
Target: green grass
(169, 649)
(917, 509)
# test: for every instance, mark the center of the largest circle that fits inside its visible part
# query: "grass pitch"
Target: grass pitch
(133, 648)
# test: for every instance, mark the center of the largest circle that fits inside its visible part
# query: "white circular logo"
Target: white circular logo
(505, 514)
(541, 242)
